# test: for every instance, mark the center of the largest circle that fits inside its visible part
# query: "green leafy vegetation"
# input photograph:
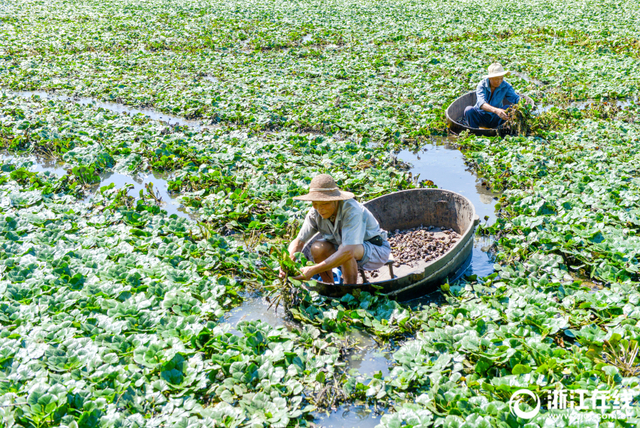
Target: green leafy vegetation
(113, 313)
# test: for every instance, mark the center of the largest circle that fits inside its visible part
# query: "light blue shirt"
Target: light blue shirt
(353, 225)
(503, 92)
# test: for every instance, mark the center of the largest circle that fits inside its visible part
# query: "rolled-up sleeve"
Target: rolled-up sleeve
(353, 227)
(309, 227)
(481, 94)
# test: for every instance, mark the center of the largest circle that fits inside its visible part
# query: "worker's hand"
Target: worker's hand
(502, 114)
(293, 257)
(305, 273)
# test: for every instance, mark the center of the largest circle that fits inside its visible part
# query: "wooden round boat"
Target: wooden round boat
(455, 112)
(407, 209)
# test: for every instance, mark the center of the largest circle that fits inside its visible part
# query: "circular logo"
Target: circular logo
(514, 404)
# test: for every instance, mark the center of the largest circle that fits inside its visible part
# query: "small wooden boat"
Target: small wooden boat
(455, 112)
(405, 210)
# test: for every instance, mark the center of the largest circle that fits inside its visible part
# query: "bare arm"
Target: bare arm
(295, 247)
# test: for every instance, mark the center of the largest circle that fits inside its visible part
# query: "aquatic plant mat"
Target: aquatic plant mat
(116, 313)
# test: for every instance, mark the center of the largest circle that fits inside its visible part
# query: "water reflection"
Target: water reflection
(170, 202)
(481, 265)
(36, 163)
(115, 107)
(255, 308)
(349, 416)
(482, 259)
(443, 164)
(367, 357)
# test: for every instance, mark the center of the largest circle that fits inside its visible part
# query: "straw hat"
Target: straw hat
(496, 70)
(323, 188)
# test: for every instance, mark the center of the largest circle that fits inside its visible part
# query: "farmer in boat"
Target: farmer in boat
(492, 92)
(350, 235)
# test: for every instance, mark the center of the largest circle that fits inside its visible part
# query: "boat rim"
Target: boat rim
(463, 238)
(480, 130)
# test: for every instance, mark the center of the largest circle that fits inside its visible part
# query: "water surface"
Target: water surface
(169, 202)
(255, 308)
(366, 356)
(35, 163)
(441, 162)
(111, 106)
(349, 416)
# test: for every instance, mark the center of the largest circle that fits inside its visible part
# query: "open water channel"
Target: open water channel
(115, 107)
(438, 161)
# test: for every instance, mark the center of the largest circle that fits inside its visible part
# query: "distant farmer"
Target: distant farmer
(350, 235)
(492, 92)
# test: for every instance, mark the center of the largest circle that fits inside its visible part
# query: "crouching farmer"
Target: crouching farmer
(494, 95)
(350, 235)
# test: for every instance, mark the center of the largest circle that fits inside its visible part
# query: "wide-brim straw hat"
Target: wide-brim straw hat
(496, 70)
(323, 188)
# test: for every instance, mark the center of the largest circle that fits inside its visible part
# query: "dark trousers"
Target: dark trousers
(477, 118)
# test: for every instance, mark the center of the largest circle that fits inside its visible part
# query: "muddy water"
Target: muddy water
(443, 164)
(115, 107)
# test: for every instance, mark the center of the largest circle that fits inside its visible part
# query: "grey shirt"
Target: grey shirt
(353, 225)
